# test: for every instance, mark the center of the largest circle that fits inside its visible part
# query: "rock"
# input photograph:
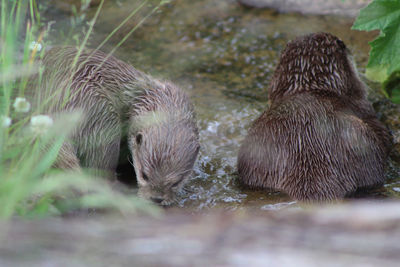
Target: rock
(66, 5)
(358, 234)
(392, 119)
(349, 8)
(388, 112)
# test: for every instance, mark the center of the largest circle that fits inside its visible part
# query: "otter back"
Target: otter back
(317, 141)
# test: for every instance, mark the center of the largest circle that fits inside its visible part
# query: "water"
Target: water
(224, 56)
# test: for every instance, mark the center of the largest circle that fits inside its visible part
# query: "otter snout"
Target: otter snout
(157, 200)
(163, 197)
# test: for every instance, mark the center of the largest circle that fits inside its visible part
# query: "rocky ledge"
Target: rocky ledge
(349, 8)
(357, 234)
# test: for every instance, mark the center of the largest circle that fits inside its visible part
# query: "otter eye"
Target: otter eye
(145, 177)
(176, 183)
(139, 138)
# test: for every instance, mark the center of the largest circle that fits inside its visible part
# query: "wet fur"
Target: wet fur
(112, 94)
(320, 138)
(157, 116)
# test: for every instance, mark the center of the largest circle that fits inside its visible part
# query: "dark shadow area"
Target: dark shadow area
(125, 170)
(126, 174)
(369, 193)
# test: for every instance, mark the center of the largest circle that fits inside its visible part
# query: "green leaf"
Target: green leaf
(396, 96)
(386, 49)
(384, 58)
(377, 73)
(378, 15)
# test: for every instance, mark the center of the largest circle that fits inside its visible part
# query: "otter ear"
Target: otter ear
(139, 138)
(341, 44)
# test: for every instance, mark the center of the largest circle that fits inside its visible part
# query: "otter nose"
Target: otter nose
(157, 200)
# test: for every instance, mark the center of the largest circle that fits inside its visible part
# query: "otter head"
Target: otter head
(315, 62)
(164, 151)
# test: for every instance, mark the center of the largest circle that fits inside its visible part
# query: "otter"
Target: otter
(118, 100)
(320, 138)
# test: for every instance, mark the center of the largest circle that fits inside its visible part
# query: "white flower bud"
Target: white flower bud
(21, 105)
(5, 121)
(40, 124)
(35, 45)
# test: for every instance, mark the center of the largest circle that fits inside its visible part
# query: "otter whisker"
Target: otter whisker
(130, 161)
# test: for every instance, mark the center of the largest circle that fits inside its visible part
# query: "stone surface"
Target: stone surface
(363, 234)
(329, 7)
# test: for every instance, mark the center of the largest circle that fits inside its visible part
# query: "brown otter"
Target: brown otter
(320, 138)
(159, 118)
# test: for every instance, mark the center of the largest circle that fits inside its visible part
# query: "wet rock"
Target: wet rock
(391, 117)
(388, 112)
(66, 5)
(363, 234)
(328, 7)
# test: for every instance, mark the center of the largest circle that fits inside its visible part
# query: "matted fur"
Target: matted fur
(320, 138)
(111, 94)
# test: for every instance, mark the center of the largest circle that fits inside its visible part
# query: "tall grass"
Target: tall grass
(30, 141)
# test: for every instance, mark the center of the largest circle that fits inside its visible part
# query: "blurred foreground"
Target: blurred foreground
(358, 234)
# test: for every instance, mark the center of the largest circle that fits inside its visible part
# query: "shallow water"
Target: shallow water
(223, 55)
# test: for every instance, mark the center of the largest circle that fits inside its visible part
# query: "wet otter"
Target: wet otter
(320, 138)
(158, 117)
